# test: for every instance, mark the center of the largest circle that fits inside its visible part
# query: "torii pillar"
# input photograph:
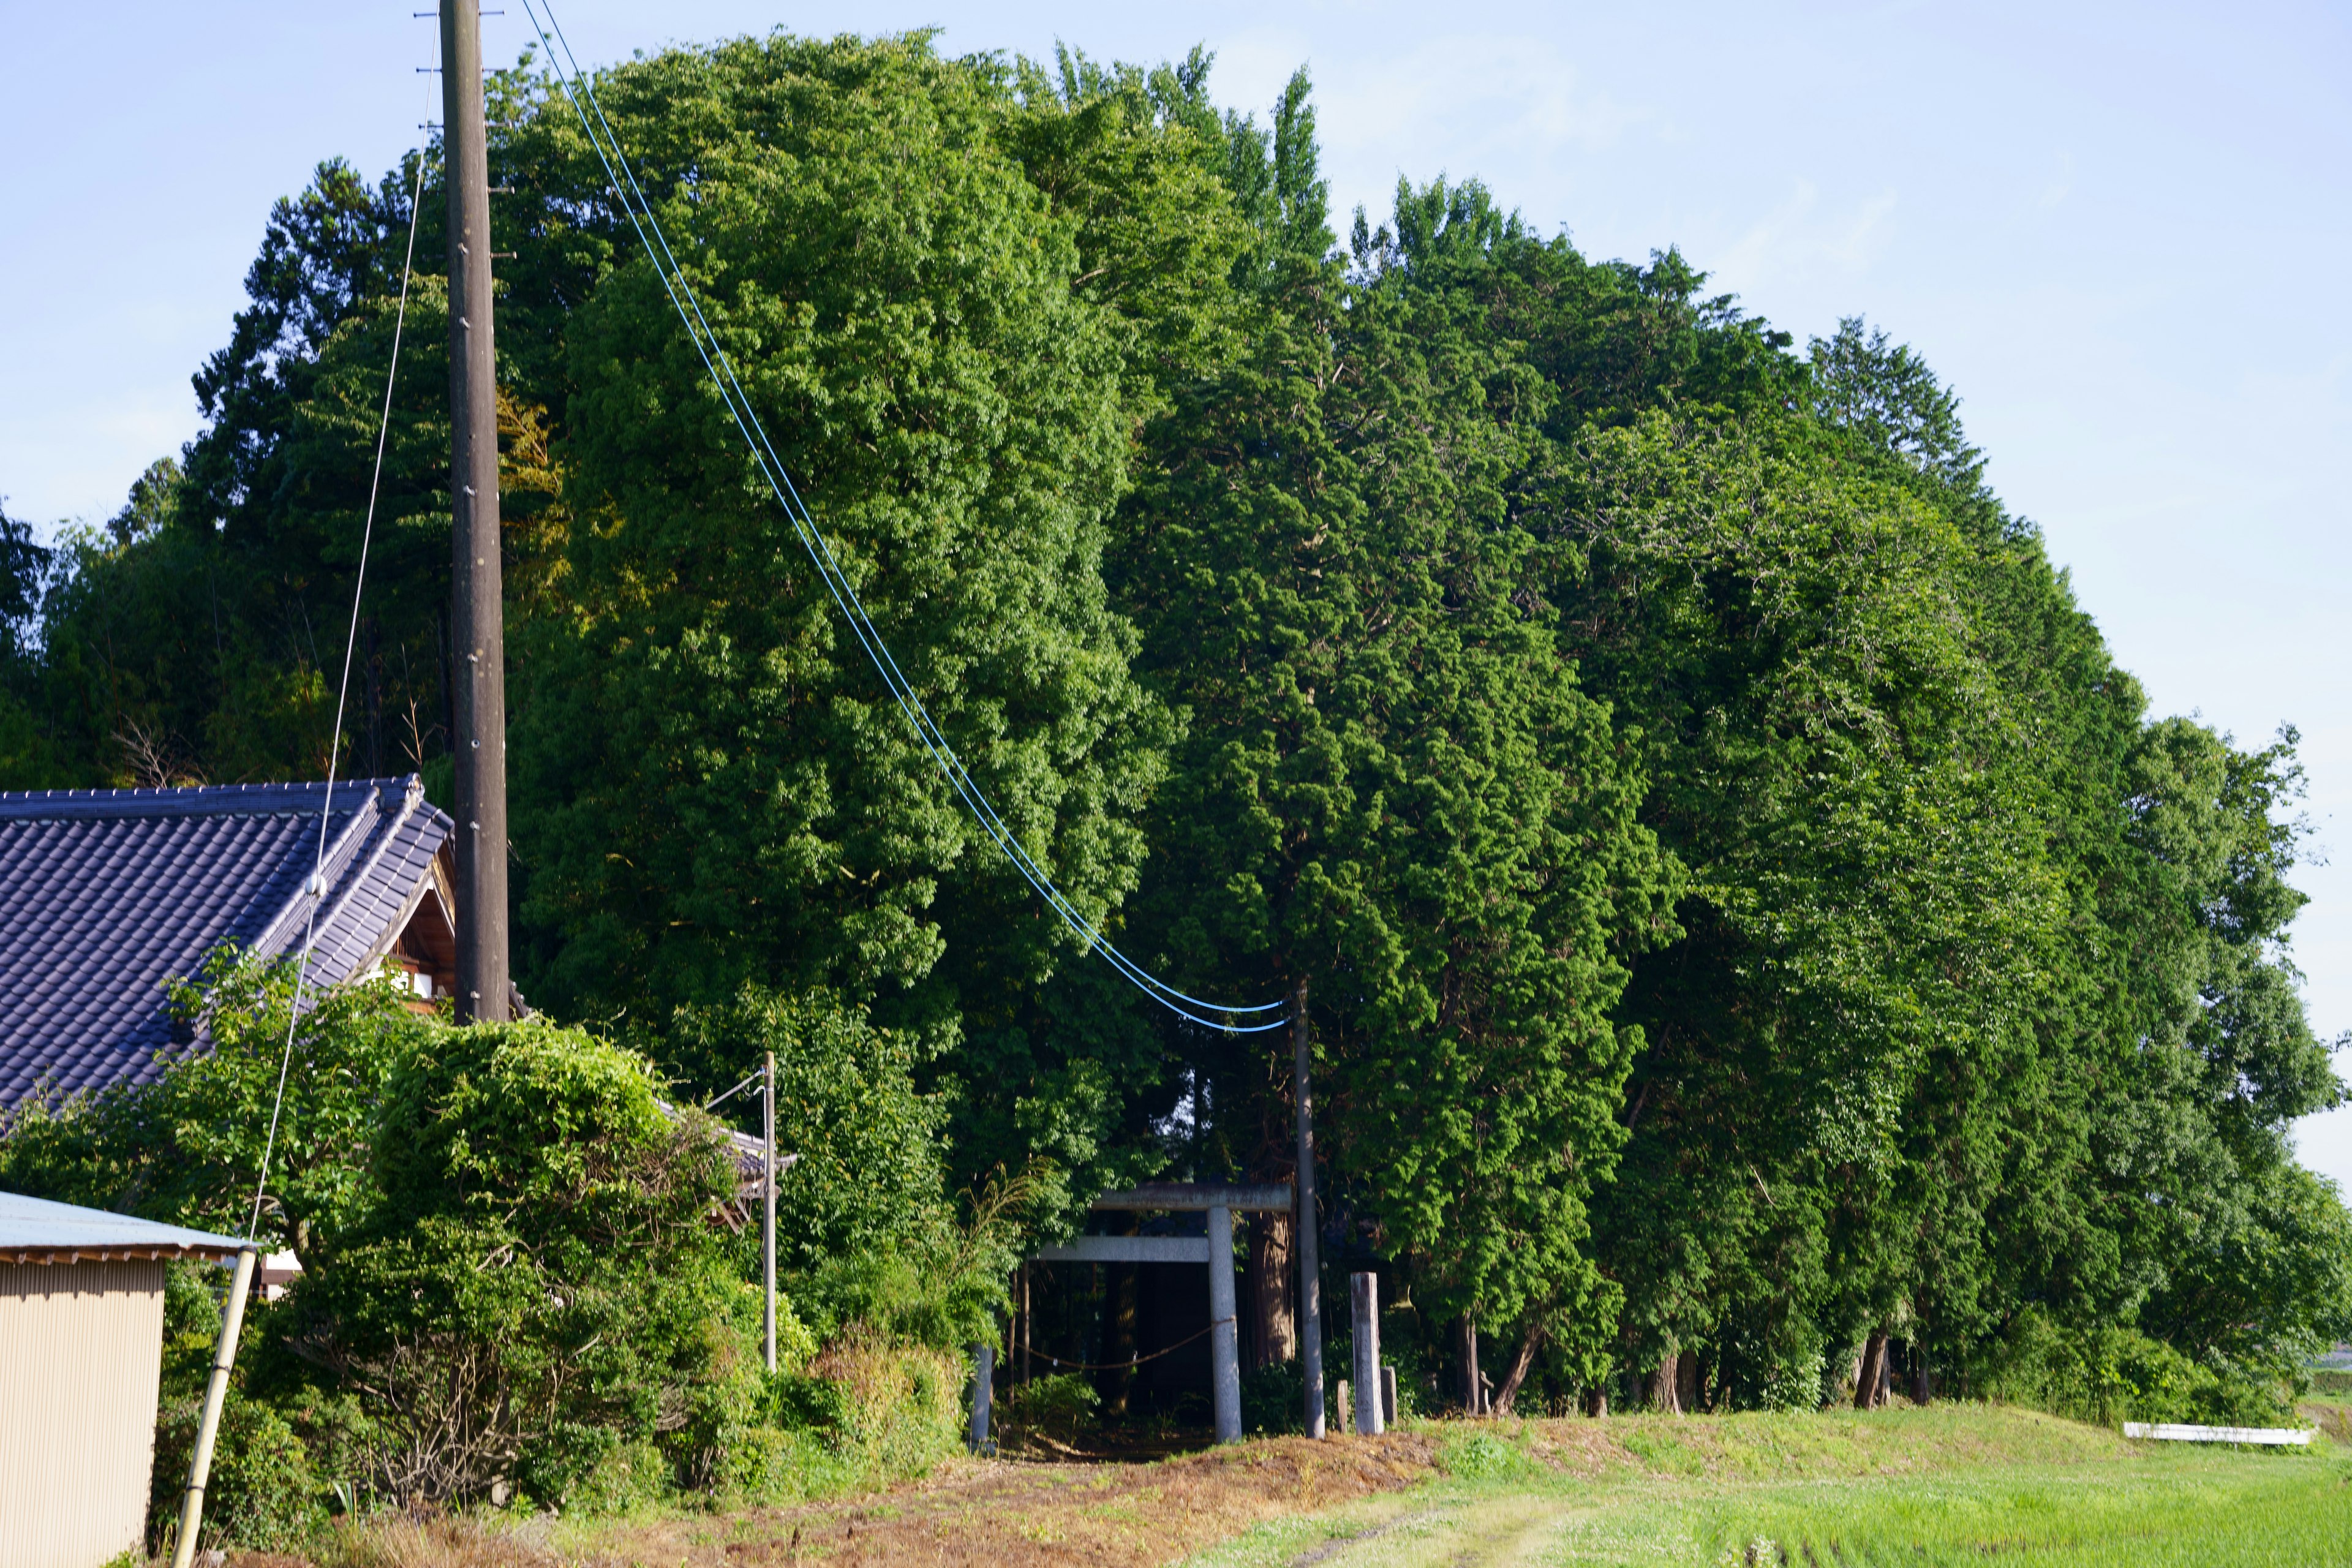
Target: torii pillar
(1216, 1249)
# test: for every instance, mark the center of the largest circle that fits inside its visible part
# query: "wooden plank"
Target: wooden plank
(2183, 1432)
(1128, 1249)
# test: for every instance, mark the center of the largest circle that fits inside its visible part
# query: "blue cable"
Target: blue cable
(788, 495)
(820, 550)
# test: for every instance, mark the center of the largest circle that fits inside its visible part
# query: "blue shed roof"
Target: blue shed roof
(111, 893)
(31, 1226)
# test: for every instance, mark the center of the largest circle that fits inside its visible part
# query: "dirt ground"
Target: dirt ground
(974, 1512)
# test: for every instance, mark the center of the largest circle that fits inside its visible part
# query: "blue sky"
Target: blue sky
(2120, 232)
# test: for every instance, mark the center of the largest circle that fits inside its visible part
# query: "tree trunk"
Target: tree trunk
(1274, 1336)
(1871, 1373)
(1520, 1363)
(1665, 1385)
(1686, 1398)
(1474, 1401)
(1596, 1401)
(1922, 1390)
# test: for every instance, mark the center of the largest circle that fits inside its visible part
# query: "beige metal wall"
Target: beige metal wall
(80, 1350)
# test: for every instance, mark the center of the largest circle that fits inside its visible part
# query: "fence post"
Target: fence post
(984, 1384)
(1364, 1302)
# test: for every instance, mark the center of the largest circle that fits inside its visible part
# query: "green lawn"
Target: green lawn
(1950, 1485)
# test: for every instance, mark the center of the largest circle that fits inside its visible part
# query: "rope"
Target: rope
(622, 182)
(316, 891)
(1131, 1360)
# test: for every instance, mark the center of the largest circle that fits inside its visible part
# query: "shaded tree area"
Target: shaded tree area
(1755, 935)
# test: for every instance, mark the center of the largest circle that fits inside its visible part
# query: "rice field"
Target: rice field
(1925, 1487)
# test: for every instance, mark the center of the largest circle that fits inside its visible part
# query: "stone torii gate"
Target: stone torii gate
(1215, 1250)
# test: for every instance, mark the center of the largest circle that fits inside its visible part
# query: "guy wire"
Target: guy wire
(316, 891)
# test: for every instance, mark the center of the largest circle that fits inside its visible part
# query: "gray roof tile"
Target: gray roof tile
(111, 893)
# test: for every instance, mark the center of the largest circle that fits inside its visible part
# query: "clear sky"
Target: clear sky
(2119, 231)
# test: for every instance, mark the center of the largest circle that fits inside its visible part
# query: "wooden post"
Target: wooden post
(983, 1381)
(1388, 1394)
(768, 1210)
(1224, 1350)
(477, 595)
(200, 1464)
(1027, 1328)
(1473, 1395)
(1364, 1319)
(1303, 1228)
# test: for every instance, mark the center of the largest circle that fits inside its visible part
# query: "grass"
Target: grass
(1946, 1484)
(1949, 1484)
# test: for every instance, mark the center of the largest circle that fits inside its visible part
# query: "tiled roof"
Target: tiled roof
(107, 894)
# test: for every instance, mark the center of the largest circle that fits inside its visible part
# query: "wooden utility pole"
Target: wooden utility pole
(1310, 1269)
(477, 605)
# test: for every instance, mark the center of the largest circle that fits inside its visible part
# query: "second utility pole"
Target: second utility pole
(477, 613)
(1303, 1223)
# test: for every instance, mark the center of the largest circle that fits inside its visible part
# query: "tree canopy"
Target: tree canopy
(1747, 919)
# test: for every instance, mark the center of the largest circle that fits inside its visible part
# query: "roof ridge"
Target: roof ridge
(268, 799)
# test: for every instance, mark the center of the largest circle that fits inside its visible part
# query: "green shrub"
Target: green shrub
(626, 1476)
(2109, 1375)
(1484, 1457)
(534, 1282)
(263, 1493)
(774, 1465)
(901, 1406)
(797, 1402)
(867, 1233)
(1056, 1408)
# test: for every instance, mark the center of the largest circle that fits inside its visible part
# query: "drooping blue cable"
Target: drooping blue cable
(853, 610)
(581, 96)
(788, 495)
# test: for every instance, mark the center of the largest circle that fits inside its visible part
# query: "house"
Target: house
(113, 893)
(81, 1355)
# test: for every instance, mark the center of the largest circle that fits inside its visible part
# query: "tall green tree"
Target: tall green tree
(713, 781)
(1391, 786)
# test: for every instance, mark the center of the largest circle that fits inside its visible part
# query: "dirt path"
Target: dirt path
(981, 1511)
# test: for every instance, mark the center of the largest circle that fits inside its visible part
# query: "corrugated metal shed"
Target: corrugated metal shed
(81, 1340)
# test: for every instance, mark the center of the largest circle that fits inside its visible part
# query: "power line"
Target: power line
(316, 891)
(623, 182)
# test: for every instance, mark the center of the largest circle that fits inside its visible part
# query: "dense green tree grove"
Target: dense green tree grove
(1753, 933)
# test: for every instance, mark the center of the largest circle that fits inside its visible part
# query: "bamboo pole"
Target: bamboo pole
(200, 1464)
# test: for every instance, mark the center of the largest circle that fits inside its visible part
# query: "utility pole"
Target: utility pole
(477, 604)
(768, 1212)
(1310, 1269)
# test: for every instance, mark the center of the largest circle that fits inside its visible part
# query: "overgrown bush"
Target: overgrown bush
(536, 1283)
(868, 1238)
(1056, 1408)
(2108, 1374)
(263, 1493)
